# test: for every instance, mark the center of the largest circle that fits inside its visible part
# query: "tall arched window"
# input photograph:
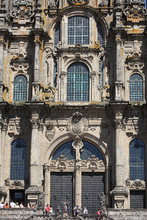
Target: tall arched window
(20, 88)
(78, 82)
(100, 34)
(57, 35)
(137, 163)
(18, 159)
(78, 30)
(136, 87)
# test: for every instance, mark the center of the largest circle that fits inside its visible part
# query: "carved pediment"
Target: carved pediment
(135, 184)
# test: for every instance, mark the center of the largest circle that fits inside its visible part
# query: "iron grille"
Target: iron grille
(137, 199)
(62, 191)
(92, 187)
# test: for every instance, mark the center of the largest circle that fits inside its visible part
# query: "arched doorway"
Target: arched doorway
(77, 181)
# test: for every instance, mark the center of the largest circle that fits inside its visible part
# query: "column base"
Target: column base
(3, 194)
(119, 196)
(35, 197)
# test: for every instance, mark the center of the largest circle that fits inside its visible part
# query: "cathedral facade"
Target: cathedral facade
(73, 114)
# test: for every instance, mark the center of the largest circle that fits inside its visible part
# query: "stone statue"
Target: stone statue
(53, 3)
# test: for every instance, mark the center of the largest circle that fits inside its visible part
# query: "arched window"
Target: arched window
(78, 82)
(20, 88)
(100, 35)
(136, 87)
(90, 150)
(57, 35)
(137, 166)
(65, 150)
(78, 30)
(18, 159)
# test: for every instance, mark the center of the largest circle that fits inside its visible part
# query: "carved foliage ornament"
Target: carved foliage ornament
(78, 2)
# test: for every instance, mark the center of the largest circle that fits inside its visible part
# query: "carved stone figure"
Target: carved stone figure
(53, 3)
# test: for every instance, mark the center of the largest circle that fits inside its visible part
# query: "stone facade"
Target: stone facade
(47, 119)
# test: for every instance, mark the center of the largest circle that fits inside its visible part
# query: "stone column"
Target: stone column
(119, 191)
(78, 182)
(47, 184)
(35, 157)
(1, 67)
(93, 88)
(1, 149)
(119, 73)
(37, 59)
(63, 86)
(36, 69)
(77, 146)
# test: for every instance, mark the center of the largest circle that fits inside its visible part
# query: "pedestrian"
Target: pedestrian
(99, 214)
(1, 205)
(65, 210)
(6, 206)
(47, 209)
(12, 204)
(85, 211)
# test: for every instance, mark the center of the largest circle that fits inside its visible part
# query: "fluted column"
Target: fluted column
(77, 146)
(47, 184)
(120, 192)
(119, 73)
(1, 67)
(35, 157)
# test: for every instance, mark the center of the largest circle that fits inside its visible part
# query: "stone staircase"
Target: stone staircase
(33, 214)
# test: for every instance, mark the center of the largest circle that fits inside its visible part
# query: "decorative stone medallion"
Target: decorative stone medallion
(77, 124)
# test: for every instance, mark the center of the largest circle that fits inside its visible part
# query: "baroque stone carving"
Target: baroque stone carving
(134, 61)
(53, 3)
(14, 126)
(48, 94)
(14, 184)
(77, 124)
(22, 10)
(62, 163)
(78, 2)
(50, 131)
(135, 184)
(135, 10)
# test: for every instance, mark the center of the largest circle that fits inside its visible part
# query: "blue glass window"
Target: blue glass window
(136, 88)
(57, 35)
(78, 30)
(90, 150)
(18, 160)
(137, 166)
(100, 35)
(65, 150)
(20, 88)
(78, 82)
(145, 2)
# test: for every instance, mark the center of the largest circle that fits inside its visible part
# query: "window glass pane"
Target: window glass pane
(18, 159)
(65, 150)
(20, 88)
(136, 88)
(78, 82)
(57, 35)
(100, 35)
(78, 30)
(137, 167)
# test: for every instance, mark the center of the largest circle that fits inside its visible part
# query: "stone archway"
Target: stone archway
(73, 166)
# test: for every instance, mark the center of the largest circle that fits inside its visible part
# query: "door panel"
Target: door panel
(92, 187)
(62, 190)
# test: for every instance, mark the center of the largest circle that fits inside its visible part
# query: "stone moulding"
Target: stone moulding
(78, 2)
(14, 184)
(135, 184)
